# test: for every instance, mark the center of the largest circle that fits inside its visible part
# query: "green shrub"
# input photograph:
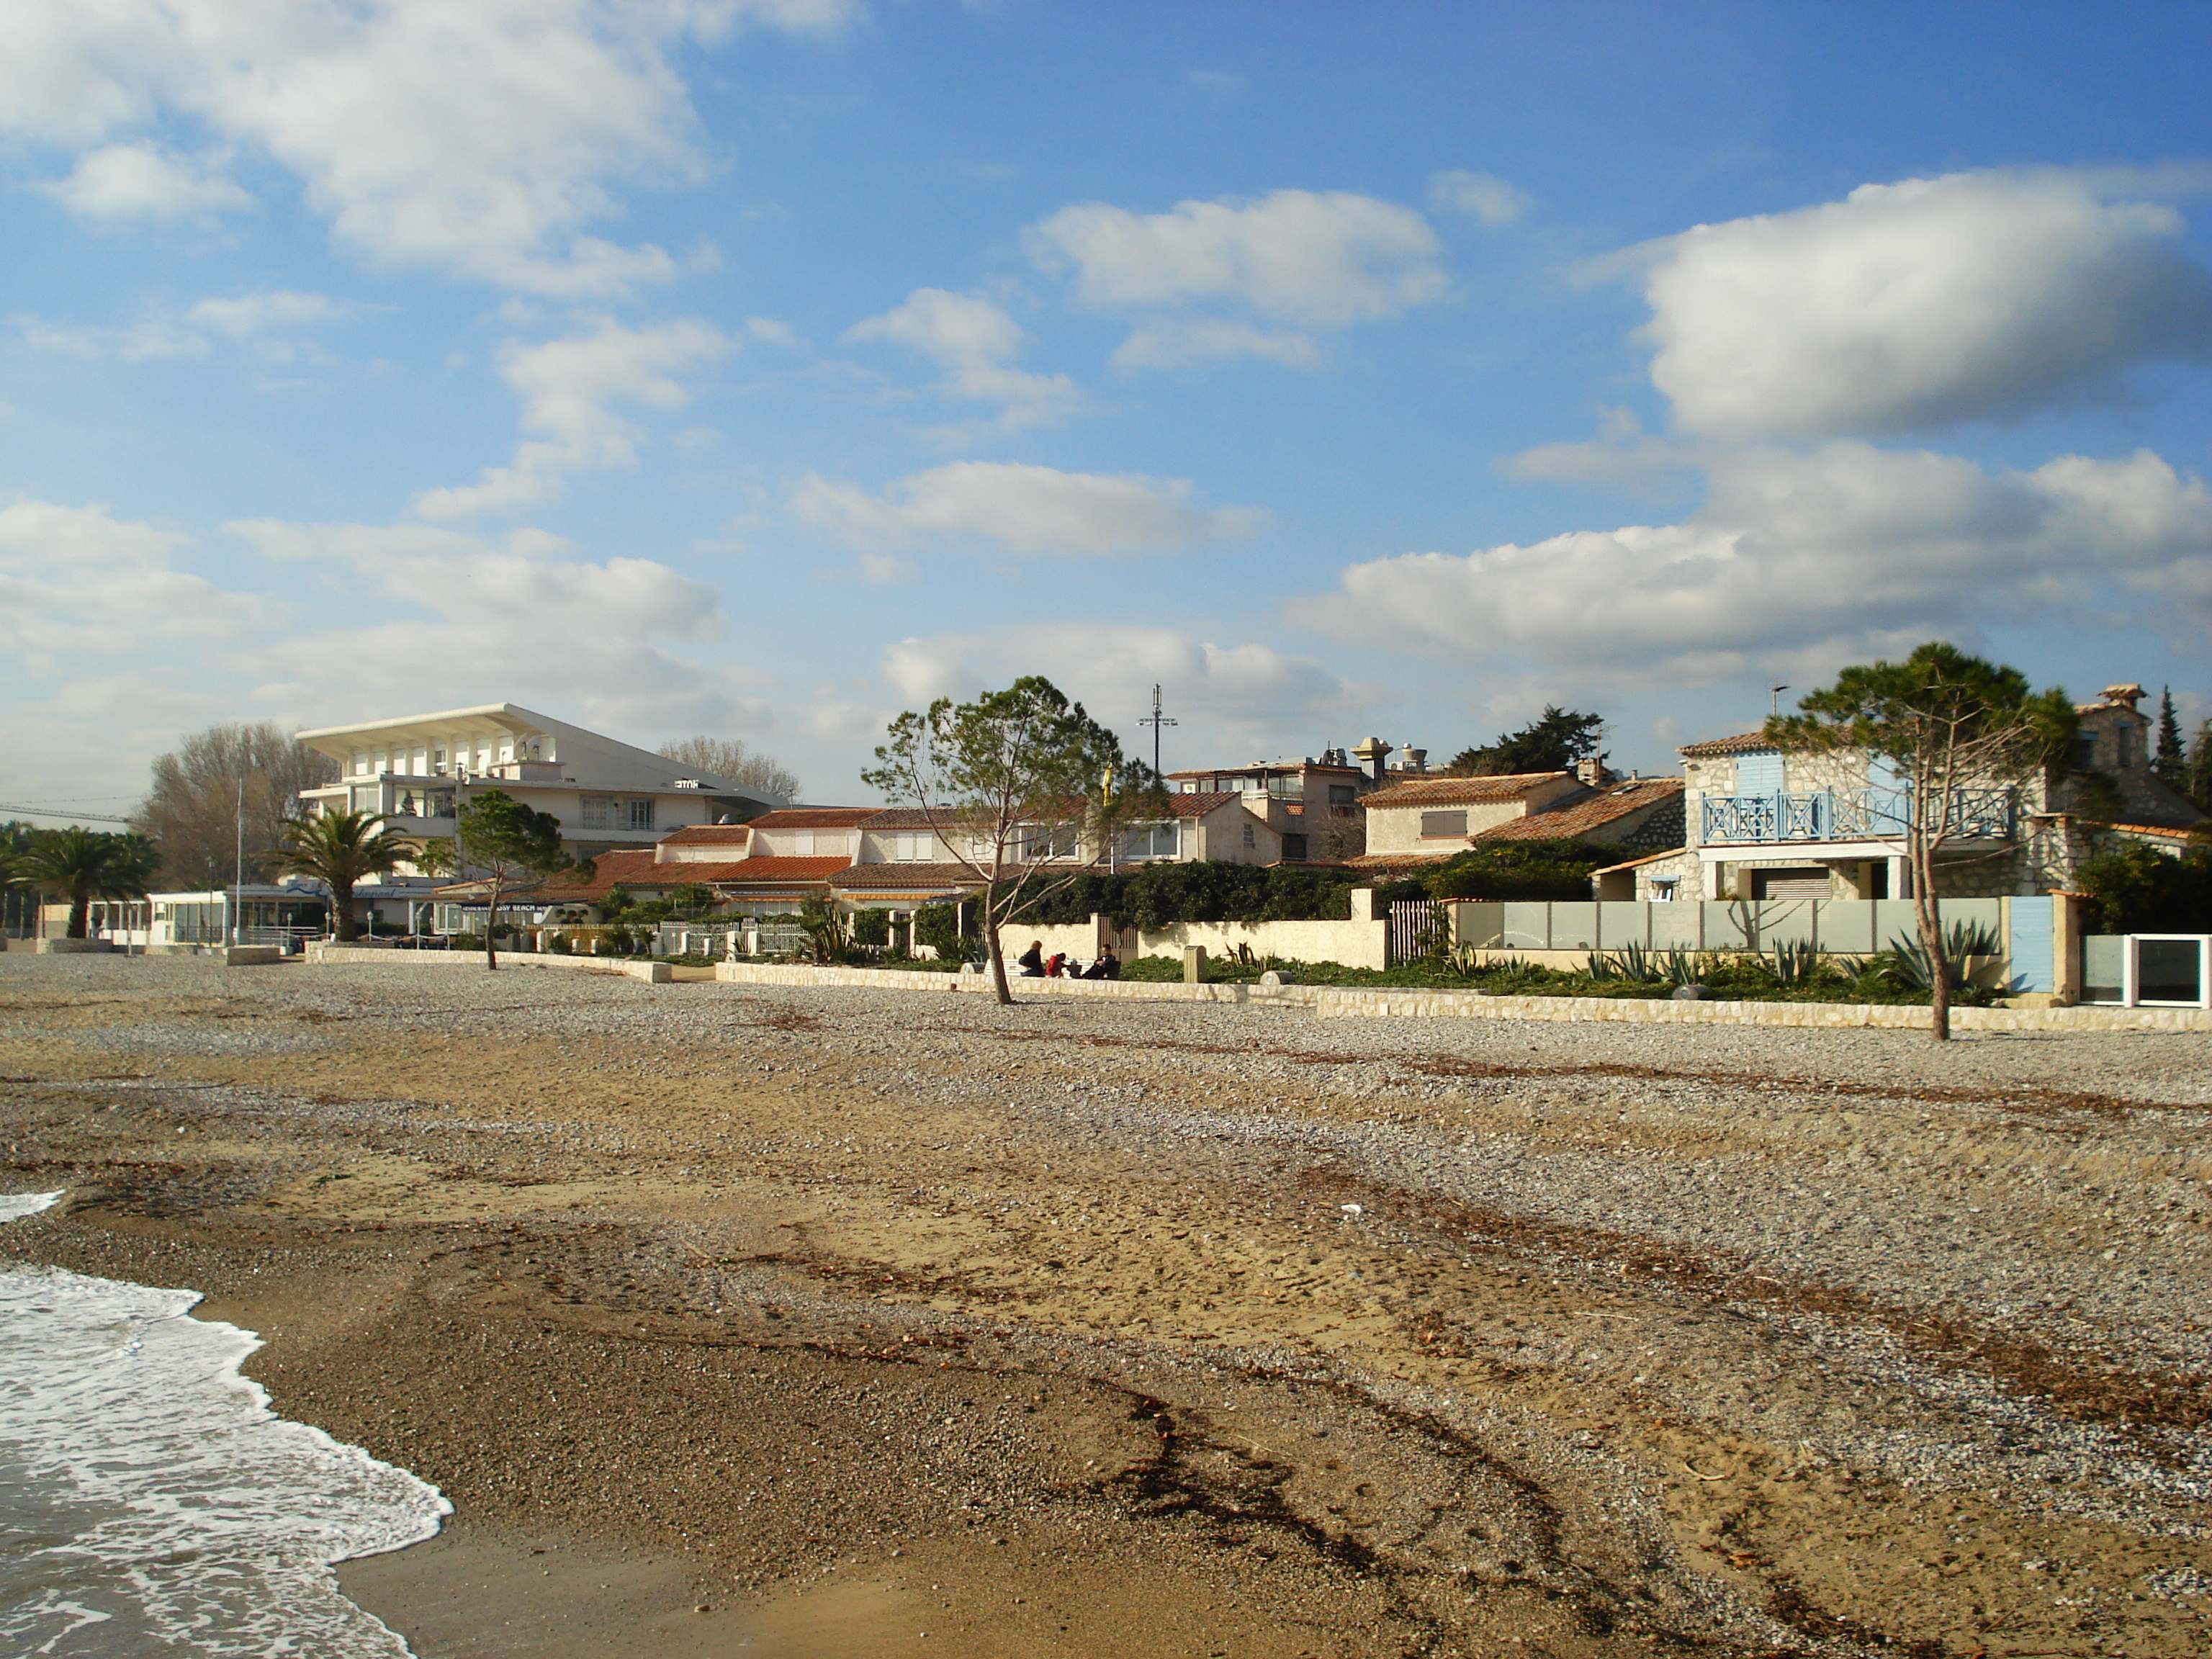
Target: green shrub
(617, 939)
(556, 945)
(467, 942)
(938, 926)
(2134, 888)
(871, 927)
(1521, 871)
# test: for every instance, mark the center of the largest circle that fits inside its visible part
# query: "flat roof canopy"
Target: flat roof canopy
(490, 720)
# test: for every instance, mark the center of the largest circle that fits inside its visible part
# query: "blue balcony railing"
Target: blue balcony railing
(1825, 815)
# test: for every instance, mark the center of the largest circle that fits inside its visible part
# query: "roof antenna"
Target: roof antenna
(1774, 700)
(1156, 720)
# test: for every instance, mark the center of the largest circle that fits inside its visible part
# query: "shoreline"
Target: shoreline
(1140, 1328)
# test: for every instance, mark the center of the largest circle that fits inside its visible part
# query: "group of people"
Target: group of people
(1035, 964)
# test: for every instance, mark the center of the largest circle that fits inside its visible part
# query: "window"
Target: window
(438, 762)
(911, 846)
(640, 814)
(1294, 847)
(2083, 753)
(1041, 841)
(1150, 841)
(1437, 825)
(1251, 836)
(1342, 794)
(2124, 741)
(595, 811)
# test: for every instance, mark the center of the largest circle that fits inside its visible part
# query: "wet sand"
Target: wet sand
(1151, 1330)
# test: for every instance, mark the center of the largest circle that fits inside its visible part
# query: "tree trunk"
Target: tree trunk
(991, 942)
(80, 917)
(343, 922)
(491, 927)
(1931, 920)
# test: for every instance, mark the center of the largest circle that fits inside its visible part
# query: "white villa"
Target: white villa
(418, 769)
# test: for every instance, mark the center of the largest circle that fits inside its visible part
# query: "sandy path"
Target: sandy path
(1149, 1329)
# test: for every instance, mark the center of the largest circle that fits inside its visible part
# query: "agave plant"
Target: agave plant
(1793, 962)
(1907, 962)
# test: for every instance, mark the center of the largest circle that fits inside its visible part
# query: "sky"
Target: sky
(763, 368)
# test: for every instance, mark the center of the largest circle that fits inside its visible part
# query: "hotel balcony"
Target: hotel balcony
(1846, 815)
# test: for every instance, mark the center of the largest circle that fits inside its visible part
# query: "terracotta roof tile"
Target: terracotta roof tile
(1585, 813)
(1638, 864)
(1744, 743)
(814, 817)
(1198, 805)
(1451, 791)
(901, 876)
(1384, 864)
(711, 834)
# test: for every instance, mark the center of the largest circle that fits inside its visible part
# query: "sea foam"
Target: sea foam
(151, 1502)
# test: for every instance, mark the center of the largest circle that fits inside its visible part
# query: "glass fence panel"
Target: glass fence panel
(1481, 926)
(1894, 922)
(1621, 924)
(1528, 926)
(1731, 924)
(1785, 921)
(1676, 926)
(1574, 926)
(1986, 914)
(2169, 970)
(1845, 927)
(2103, 966)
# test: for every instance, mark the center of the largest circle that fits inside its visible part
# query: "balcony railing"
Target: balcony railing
(1826, 815)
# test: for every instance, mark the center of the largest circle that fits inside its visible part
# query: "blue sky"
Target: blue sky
(763, 368)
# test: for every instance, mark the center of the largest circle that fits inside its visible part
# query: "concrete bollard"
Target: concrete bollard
(1194, 964)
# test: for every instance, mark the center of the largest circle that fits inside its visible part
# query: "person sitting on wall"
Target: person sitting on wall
(1031, 960)
(1054, 964)
(1109, 966)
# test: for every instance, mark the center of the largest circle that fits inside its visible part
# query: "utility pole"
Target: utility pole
(1156, 720)
(238, 872)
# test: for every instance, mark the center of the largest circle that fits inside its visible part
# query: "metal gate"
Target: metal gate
(1412, 922)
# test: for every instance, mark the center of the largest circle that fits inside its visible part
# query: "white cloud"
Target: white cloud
(1253, 690)
(1172, 344)
(1819, 552)
(1912, 305)
(567, 387)
(1024, 508)
(265, 309)
(479, 139)
(1478, 195)
(1621, 455)
(1313, 259)
(122, 182)
(77, 584)
(492, 619)
(148, 337)
(976, 344)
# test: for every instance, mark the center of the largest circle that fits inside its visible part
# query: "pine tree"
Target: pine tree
(2198, 783)
(2169, 764)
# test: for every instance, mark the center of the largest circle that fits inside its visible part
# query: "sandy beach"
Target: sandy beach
(746, 1321)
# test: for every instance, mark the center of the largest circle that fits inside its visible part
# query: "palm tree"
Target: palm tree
(338, 849)
(88, 865)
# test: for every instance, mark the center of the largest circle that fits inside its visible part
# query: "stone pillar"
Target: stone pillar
(1363, 904)
(1194, 963)
(2065, 950)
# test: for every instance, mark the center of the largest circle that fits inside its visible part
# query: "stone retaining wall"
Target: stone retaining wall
(1335, 1002)
(653, 973)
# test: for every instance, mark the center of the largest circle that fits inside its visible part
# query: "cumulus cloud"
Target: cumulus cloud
(122, 182)
(1024, 508)
(1913, 306)
(1796, 552)
(1253, 689)
(76, 583)
(1478, 195)
(567, 387)
(1310, 259)
(479, 139)
(487, 617)
(976, 343)
(265, 309)
(1172, 344)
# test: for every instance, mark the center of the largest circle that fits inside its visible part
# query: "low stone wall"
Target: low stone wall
(1335, 1002)
(1352, 944)
(73, 947)
(653, 973)
(253, 956)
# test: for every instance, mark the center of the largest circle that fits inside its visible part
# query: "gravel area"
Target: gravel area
(1332, 1336)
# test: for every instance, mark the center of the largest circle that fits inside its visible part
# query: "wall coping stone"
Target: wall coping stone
(653, 973)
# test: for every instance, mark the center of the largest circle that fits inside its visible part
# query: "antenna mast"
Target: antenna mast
(1156, 720)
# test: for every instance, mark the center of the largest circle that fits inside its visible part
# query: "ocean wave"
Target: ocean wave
(150, 1501)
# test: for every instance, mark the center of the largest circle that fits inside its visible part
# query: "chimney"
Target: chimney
(1373, 753)
(2129, 695)
(1591, 771)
